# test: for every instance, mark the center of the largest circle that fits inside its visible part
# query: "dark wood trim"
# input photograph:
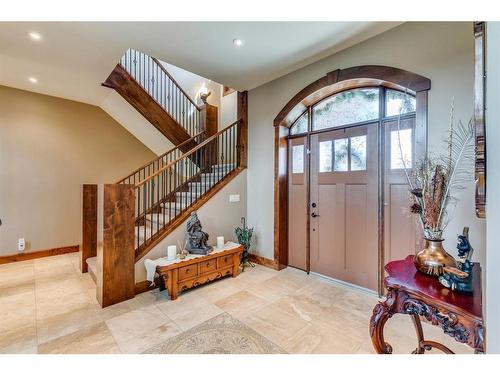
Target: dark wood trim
(142, 251)
(125, 85)
(479, 118)
(341, 79)
(331, 83)
(89, 225)
(257, 259)
(242, 141)
(4, 259)
(145, 286)
(116, 281)
(226, 90)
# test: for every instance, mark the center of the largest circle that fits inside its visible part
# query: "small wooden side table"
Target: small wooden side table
(194, 271)
(418, 295)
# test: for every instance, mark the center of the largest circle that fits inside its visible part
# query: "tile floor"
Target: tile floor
(48, 306)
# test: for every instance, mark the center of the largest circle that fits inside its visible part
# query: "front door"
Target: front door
(344, 205)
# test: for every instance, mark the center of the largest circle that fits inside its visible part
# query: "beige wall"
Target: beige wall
(49, 147)
(493, 182)
(443, 52)
(218, 216)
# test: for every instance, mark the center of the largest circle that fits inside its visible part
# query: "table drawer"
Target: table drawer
(208, 265)
(225, 261)
(188, 271)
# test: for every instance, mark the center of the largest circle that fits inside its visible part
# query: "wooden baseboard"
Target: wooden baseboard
(4, 259)
(264, 261)
(144, 286)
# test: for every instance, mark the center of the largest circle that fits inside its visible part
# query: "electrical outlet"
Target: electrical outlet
(234, 198)
(21, 244)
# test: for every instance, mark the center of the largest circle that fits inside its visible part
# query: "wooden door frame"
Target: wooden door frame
(333, 82)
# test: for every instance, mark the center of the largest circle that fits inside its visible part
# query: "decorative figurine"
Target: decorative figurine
(197, 239)
(204, 97)
(460, 279)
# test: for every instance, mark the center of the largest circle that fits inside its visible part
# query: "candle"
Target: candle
(220, 242)
(171, 252)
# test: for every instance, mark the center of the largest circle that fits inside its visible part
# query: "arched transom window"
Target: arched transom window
(353, 107)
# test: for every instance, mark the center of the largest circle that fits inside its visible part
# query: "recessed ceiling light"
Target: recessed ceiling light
(33, 79)
(35, 36)
(238, 42)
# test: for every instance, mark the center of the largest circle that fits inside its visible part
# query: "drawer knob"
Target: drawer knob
(187, 271)
(208, 263)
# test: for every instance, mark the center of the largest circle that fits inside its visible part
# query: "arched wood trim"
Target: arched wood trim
(332, 82)
(341, 79)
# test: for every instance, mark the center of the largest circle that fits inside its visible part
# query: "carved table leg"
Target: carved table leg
(173, 284)
(381, 313)
(420, 334)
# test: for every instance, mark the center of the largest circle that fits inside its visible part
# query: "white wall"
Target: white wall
(443, 52)
(492, 188)
(218, 216)
(192, 83)
(135, 123)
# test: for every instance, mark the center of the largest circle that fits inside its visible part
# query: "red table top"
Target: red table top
(404, 274)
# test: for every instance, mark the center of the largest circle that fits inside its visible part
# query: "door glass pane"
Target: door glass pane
(403, 153)
(347, 107)
(325, 156)
(399, 102)
(340, 151)
(358, 153)
(300, 126)
(298, 159)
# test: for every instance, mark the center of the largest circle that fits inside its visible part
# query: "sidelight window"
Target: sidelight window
(347, 107)
(401, 149)
(298, 159)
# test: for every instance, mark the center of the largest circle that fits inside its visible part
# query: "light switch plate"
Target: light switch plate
(234, 198)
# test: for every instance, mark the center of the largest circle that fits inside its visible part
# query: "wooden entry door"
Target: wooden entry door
(344, 205)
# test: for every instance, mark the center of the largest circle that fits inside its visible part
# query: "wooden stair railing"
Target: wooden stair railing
(145, 83)
(153, 166)
(163, 199)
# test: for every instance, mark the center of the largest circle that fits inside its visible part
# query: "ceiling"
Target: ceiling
(73, 58)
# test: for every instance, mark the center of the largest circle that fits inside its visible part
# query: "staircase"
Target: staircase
(142, 208)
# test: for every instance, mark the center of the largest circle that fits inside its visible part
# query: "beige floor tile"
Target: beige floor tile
(148, 339)
(15, 278)
(319, 338)
(275, 324)
(241, 304)
(189, 310)
(51, 305)
(136, 323)
(19, 341)
(215, 291)
(17, 311)
(95, 339)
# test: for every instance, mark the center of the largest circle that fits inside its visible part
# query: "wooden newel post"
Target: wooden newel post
(210, 124)
(242, 137)
(88, 248)
(116, 254)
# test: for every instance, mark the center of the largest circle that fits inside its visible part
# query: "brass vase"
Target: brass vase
(433, 258)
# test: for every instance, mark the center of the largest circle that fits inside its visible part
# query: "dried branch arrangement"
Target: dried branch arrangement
(435, 179)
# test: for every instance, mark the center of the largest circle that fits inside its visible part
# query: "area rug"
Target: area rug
(220, 335)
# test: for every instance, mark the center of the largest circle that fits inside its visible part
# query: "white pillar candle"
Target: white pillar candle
(220, 242)
(171, 252)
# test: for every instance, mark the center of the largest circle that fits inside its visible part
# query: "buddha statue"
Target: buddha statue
(196, 238)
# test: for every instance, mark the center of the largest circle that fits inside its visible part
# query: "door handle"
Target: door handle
(314, 214)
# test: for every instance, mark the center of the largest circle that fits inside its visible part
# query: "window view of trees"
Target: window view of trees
(300, 125)
(347, 107)
(397, 102)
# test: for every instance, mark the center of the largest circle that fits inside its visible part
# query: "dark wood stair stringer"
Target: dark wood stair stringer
(127, 87)
(184, 215)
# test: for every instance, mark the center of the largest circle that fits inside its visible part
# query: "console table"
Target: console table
(199, 269)
(418, 295)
